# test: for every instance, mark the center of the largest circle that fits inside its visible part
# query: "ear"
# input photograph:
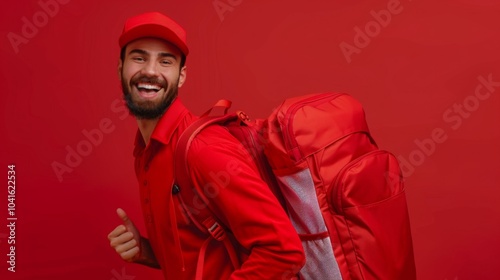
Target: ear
(182, 76)
(120, 67)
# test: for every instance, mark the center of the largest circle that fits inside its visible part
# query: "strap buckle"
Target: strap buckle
(215, 229)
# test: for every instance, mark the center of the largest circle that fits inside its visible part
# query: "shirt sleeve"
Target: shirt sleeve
(226, 173)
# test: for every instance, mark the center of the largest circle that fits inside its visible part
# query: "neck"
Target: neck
(146, 128)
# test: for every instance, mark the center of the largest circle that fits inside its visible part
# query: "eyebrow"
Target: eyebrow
(138, 51)
(161, 54)
(165, 54)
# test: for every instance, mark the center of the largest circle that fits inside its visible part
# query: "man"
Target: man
(152, 69)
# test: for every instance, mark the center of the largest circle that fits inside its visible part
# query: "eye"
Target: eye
(138, 59)
(166, 62)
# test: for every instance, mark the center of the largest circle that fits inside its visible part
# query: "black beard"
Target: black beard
(148, 110)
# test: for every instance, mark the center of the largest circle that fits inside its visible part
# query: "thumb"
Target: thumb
(126, 221)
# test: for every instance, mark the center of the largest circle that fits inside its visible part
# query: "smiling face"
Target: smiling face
(151, 74)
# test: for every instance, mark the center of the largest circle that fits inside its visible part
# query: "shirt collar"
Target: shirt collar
(167, 124)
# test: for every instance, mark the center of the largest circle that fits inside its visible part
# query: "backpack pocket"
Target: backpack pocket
(371, 217)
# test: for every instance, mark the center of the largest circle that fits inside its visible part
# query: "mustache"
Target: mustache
(149, 80)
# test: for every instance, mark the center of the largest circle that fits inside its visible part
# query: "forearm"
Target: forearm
(147, 256)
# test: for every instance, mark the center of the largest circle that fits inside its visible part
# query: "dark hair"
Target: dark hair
(122, 56)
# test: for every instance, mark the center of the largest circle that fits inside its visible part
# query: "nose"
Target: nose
(150, 68)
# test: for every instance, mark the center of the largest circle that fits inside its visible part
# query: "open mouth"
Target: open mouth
(148, 89)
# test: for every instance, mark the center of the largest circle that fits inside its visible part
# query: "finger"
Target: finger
(122, 248)
(121, 239)
(117, 231)
(123, 216)
(126, 246)
(131, 254)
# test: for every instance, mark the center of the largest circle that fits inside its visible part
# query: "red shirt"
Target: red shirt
(244, 202)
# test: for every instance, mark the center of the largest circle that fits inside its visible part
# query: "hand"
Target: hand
(125, 239)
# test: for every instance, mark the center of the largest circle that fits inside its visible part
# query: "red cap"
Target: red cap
(155, 25)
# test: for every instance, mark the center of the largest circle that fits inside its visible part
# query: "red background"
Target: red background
(63, 80)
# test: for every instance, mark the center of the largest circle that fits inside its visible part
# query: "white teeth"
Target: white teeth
(148, 86)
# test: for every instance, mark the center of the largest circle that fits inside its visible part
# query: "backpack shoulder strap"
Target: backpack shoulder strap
(181, 168)
(183, 180)
(203, 218)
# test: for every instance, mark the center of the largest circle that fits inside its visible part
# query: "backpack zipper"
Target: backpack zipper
(290, 142)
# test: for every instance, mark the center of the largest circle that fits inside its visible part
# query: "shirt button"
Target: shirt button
(146, 200)
(175, 189)
(146, 167)
(145, 183)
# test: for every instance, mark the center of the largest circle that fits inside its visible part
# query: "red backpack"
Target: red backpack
(344, 196)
